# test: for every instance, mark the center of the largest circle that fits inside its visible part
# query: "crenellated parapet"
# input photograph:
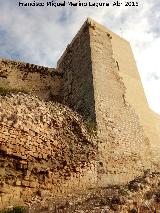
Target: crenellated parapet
(41, 81)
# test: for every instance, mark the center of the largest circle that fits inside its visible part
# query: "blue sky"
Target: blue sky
(40, 35)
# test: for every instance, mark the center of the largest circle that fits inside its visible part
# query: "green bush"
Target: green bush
(16, 209)
(91, 126)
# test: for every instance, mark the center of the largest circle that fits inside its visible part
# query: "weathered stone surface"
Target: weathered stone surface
(58, 156)
(117, 198)
(19, 76)
(125, 149)
(47, 147)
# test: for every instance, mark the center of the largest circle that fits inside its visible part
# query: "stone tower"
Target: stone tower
(46, 146)
(101, 82)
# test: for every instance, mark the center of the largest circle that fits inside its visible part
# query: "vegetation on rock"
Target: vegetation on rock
(6, 90)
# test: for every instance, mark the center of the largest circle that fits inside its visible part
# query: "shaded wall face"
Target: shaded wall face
(40, 81)
(124, 148)
(78, 82)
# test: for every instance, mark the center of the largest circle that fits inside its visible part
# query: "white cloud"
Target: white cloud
(149, 64)
(152, 89)
(38, 35)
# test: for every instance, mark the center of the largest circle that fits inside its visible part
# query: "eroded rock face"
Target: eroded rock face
(141, 195)
(44, 149)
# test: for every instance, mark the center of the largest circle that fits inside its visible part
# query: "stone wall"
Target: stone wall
(76, 63)
(135, 95)
(125, 149)
(45, 150)
(41, 81)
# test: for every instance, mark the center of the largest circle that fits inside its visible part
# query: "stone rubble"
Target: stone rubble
(141, 195)
(44, 148)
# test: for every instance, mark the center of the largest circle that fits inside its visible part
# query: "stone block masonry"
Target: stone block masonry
(45, 147)
(45, 150)
(41, 81)
(78, 88)
(125, 148)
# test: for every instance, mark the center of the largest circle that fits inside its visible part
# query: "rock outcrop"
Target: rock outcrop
(45, 149)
